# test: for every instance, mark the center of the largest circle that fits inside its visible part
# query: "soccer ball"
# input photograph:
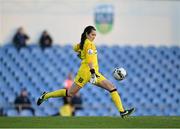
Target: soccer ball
(119, 73)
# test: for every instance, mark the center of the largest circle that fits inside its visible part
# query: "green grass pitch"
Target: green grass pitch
(90, 122)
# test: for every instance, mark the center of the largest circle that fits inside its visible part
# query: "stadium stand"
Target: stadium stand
(152, 84)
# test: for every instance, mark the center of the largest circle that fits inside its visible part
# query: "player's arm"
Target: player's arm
(76, 47)
(89, 58)
(89, 55)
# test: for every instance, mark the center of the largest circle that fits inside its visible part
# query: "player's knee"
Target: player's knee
(113, 90)
(70, 94)
(111, 87)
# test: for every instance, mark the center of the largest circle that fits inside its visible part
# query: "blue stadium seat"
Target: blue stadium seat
(25, 113)
(39, 113)
(12, 112)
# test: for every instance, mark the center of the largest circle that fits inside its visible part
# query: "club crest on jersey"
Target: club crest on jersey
(104, 18)
(90, 51)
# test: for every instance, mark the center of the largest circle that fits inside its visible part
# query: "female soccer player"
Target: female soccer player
(88, 72)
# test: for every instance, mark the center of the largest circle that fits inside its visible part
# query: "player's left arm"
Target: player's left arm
(89, 55)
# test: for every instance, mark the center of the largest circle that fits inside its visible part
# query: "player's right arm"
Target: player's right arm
(76, 47)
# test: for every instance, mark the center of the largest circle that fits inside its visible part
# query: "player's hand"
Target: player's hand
(94, 76)
(79, 55)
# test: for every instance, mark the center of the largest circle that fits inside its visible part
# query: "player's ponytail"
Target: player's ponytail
(87, 30)
(83, 38)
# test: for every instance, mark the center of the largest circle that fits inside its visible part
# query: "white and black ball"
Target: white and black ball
(119, 73)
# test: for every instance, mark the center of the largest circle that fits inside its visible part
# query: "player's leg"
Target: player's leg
(63, 92)
(59, 93)
(105, 84)
(73, 90)
(80, 80)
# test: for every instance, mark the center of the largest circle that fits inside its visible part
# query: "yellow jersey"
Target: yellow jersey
(88, 54)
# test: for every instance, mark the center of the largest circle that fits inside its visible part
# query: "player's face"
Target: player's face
(92, 35)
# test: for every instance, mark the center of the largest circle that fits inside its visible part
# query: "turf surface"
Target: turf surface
(90, 122)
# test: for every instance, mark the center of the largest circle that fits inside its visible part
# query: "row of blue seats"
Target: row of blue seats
(152, 79)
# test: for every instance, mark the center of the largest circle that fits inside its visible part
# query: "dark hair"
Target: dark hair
(87, 30)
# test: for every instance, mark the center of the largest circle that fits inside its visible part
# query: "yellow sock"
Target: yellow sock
(117, 100)
(57, 93)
